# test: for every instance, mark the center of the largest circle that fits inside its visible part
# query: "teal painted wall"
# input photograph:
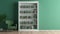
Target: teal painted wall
(49, 12)
(49, 15)
(10, 8)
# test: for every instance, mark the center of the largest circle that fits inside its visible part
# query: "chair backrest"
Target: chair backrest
(9, 22)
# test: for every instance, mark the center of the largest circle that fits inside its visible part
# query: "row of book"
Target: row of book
(29, 27)
(26, 11)
(29, 6)
(28, 17)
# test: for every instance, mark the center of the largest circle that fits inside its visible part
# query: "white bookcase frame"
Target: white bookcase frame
(19, 15)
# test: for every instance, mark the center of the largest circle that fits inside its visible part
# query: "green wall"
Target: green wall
(49, 12)
(49, 15)
(10, 8)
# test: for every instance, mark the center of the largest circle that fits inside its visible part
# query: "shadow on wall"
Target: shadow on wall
(15, 13)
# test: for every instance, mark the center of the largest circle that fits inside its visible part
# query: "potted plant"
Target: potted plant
(3, 25)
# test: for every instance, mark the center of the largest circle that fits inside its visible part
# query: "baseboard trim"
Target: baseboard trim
(49, 30)
(39, 30)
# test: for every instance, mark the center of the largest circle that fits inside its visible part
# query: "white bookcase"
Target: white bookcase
(28, 15)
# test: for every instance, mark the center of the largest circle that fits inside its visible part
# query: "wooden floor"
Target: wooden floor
(32, 32)
(14, 32)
